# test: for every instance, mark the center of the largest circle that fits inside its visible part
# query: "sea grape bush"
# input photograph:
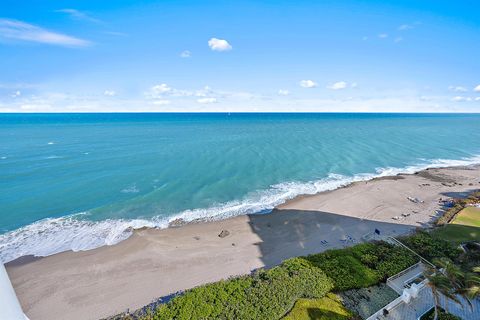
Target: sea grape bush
(266, 294)
(430, 247)
(270, 294)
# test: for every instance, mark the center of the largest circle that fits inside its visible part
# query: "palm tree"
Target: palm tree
(449, 281)
(473, 284)
(439, 284)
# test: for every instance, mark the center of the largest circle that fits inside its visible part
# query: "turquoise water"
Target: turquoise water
(79, 181)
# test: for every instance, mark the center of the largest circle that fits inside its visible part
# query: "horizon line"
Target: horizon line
(239, 112)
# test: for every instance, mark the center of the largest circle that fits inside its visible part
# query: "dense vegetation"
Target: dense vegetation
(267, 294)
(362, 265)
(431, 246)
(270, 294)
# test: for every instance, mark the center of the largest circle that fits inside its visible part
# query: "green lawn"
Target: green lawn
(458, 233)
(470, 216)
(327, 308)
(465, 227)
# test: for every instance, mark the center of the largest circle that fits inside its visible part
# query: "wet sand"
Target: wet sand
(154, 263)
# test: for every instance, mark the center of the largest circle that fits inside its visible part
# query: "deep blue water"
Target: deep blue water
(78, 181)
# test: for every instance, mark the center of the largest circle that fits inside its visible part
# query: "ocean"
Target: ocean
(81, 181)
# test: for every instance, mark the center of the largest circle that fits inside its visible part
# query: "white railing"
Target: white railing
(10, 308)
(398, 287)
(401, 273)
(399, 309)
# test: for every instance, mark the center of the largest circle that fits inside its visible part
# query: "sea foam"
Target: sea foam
(77, 233)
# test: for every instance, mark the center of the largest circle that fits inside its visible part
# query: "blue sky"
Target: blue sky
(360, 56)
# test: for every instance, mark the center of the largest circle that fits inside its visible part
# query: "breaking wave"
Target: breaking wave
(77, 233)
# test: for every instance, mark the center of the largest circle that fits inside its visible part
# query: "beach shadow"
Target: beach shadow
(317, 314)
(288, 233)
(459, 195)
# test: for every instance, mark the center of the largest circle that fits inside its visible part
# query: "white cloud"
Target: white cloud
(235, 102)
(404, 27)
(203, 92)
(458, 88)
(338, 85)
(308, 84)
(109, 93)
(161, 89)
(457, 99)
(219, 44)
(354, 85)
(16, 94)
(477, 88)
(461, 99)
(398, 39)
(477, 99)
(78, 15)
(282, 92)
(161, 102)
(207, 100)
(185, 54)
(383, 35)
(158, 92)
(18, 30)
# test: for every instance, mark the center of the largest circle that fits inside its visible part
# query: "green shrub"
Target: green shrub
(385, 258)
(362, 265)
(267, 294)
(370, 260)
(430, 246)
(344, 269)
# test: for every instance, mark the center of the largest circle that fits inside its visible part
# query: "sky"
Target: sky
(239, 56)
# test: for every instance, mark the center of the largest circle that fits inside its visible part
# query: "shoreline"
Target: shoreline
(157, 262)
(50, 236)
(55, 235)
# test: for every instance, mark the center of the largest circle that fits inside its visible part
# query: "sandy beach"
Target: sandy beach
(154, 263)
